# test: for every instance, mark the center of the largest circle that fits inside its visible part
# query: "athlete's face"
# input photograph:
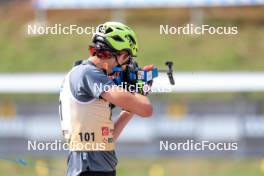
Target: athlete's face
(120, 59)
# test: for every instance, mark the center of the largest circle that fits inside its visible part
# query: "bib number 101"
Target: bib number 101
(86, 136)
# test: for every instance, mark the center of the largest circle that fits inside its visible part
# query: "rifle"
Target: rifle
(139, 80)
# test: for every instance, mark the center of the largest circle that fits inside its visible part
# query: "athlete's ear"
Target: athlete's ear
(92, 50)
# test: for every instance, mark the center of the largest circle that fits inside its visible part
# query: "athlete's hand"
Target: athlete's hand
(121, 122)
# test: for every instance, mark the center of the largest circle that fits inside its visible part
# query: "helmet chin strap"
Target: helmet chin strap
(127, 62)
(118, 64)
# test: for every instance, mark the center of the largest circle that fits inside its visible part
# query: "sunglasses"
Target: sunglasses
(100, 52)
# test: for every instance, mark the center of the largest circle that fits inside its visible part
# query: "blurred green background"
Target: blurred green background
(22, 53)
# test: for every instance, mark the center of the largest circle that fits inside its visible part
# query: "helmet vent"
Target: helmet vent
(119, 28)
(132, 39)
(108, 30)
(117, 38)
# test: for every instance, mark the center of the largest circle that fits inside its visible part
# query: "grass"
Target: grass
(21, 53)
(144, 167)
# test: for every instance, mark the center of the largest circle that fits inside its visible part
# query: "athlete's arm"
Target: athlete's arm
(121, 122)
(134, 103)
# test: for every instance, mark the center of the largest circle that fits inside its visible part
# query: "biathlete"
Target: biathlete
(85, 109)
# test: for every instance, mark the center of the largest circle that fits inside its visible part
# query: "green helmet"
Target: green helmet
(116, 37)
